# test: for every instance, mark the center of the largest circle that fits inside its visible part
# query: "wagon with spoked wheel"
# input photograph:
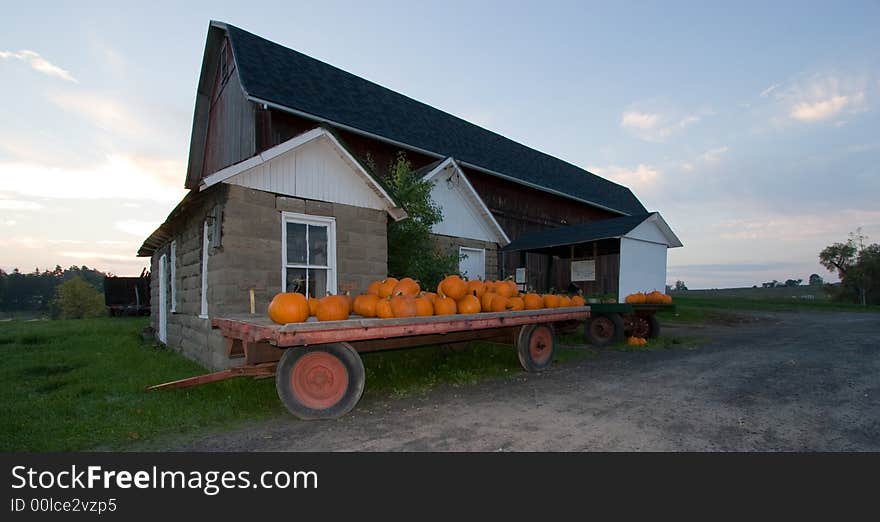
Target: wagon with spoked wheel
(613, 322)
(317, 365)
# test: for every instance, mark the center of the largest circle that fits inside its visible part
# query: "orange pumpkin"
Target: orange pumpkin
(667, 299)
(468, 304)
(383, 308)
(350, 300)
(365, 305)
(476, 288)
(403, 306)
(636, 298)
(533, 301)
(500, 304)
(424, 306)
(445, 305)
(551, 301)
(516, 303)
(486, 301)
(506, 288)
(489, 286)
(374, 287)
(430, 295)
(564, 301)
(452, 286)
(332, 308)
(654, 297)
(578, 301)
(313, 306)
(406, 286)
(386, 287)
(289, 307)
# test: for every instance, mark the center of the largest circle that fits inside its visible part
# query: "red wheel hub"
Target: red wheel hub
(319, 380)
(540, 344)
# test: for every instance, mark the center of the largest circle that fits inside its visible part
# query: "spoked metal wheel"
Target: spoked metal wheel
(637, 326)
(602, 330)
(320, 382)
(535, 346)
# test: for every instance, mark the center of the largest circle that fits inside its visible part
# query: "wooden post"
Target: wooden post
(253, 305)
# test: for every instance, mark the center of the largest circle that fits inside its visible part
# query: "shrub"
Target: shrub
(76, 299)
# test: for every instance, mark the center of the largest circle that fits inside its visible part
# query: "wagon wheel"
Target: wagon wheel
(653, 326)
(320, 382)
(602, 330)
(638, 326)
(535, 346)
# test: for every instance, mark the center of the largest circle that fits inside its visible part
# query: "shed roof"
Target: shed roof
(286, 79)
(587, 232)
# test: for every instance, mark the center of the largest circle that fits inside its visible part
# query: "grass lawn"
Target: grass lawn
(79, 384)
(710, 308)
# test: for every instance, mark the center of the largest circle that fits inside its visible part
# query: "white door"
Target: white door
(163, 301)
(473, 263)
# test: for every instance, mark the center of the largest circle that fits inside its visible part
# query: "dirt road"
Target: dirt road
(791, 381)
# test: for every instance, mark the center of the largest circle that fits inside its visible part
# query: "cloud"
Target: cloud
(14, 204)
(118, 176)
(653, 126)
(714, 155)
(38, 63)
(8, 223)
(766, 92)
(642, 176)
(827, 108)
(820, 97)
(102, 111)
(136, 227)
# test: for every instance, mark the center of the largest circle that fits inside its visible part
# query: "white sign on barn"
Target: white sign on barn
(583, 270)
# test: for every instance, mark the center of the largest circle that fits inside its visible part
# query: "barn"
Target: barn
(283, 195)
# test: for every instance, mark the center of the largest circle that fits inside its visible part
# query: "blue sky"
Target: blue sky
(752, 128)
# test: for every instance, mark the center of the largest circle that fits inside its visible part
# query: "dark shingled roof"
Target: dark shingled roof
(574, 234)
(276, 74)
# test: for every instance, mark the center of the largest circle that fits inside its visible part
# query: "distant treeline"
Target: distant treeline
(36, 290)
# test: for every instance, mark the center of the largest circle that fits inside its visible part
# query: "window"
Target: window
(308, 254)
(206, 246)
(173, 277)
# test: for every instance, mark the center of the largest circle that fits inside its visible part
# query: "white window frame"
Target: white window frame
(461, 250)
(163, 300)
(306, 219)
(206, 252)
(173, 277)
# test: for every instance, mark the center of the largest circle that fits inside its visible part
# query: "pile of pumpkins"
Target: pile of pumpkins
(654, 297)
(636, 341)
(404, 297)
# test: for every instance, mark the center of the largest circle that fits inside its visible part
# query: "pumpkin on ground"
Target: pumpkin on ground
(500, 304)
(445, 305)
(452, 286)
(365, 305)
(386, 287)
(551, 301)
(373, 288)
(313, 306)
(468, 304)
(533, 301)
(636, 341)
(486, 301)
(406, 286)
(403, 306)
(424, 306)
(516, 303)
(383, 308)
(476, 288)
(578, 301)
(332, 308)
(289, 307)
(636, 298)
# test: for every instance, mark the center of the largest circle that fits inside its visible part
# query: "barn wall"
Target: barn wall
(231, 127)
(450, 245)
(642, 267)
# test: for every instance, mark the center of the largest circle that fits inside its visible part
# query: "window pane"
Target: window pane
(317, 245)
(296, 243)
(317, 282)
(296, 280)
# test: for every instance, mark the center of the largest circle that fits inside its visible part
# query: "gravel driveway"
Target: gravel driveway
(784, 381)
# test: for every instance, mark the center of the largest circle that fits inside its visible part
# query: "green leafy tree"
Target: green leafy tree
(857, 266)
(410, 250)
(77, 299)
(816, 280)
(680, 286)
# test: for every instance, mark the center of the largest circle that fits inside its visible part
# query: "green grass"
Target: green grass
(707, 308)
(79, 384)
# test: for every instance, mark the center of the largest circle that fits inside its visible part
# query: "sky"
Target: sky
(753, 128)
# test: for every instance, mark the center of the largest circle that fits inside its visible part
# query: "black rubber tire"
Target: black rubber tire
(355, 388)
(653, 326)
(523, 341)
(616, 322)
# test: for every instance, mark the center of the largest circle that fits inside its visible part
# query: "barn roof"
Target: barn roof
(586, 232)
(288, 80)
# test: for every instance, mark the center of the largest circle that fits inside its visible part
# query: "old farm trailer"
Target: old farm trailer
(317, 367)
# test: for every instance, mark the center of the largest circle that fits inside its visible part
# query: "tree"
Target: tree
(77, 300)
(816, 280)
(680, 286)
(793, 282)
(410, 253)
(857, 266)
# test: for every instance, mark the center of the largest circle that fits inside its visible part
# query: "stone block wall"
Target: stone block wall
(451, 245)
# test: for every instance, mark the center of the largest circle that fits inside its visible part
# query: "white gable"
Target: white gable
(654, 230)
(464, 214)
(313, 165)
